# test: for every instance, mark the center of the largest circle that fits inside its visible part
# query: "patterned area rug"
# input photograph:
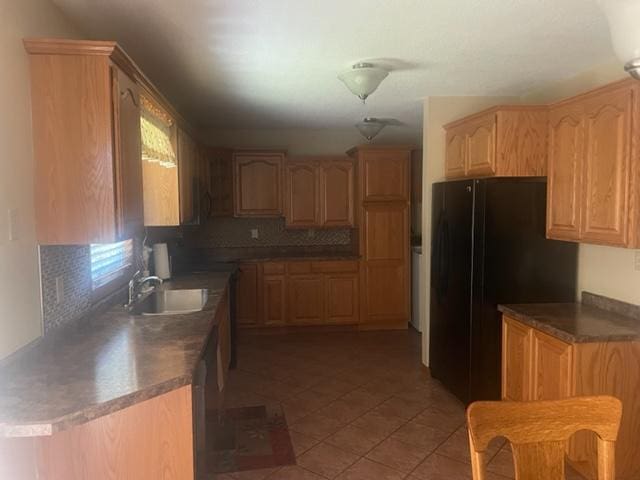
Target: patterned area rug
(248, 438)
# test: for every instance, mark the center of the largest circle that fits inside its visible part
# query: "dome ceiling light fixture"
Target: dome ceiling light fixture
(369, 127)
(625, 32)
(363, 79)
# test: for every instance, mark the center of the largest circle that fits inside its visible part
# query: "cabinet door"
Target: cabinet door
(566, 146)
(605, 212)
(337, 194)
(274, 299)
(385, 280)
(552, 368)
(187, 177)
(306, 297)
(220, 193)
(128, 155)
(302, 200)
(247, 294)
(258, 185)
(341, 298)
(385, 175)
(481, 146)
(516, 360)
(456, 153)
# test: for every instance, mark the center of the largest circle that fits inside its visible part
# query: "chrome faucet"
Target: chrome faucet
(136, 283)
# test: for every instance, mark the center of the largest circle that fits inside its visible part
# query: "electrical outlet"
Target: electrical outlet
(59, 289)
(14, 225)
(254, 233)
(637, 261)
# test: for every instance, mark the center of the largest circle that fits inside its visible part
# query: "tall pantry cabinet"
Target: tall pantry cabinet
(383, 209)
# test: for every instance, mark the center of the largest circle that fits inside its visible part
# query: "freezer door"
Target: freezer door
(451, 275)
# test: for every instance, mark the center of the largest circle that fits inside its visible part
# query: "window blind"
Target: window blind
(110, 261)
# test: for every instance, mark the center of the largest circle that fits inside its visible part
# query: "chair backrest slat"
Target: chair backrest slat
(538, 432)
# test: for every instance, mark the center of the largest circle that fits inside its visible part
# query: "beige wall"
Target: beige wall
(20, 317)
(604, 270)
(303, 141)
(439, 111)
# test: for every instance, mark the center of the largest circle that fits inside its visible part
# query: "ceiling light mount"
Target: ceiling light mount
(369, 127)
(363, 79)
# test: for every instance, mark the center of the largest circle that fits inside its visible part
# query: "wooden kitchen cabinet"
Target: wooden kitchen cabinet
(337, 195)
(273, 288)
(298, 293)
(516, 361)
(594, 171)
(500, 141)
(319, 192)
(539, 366)
(217, 198)
(86, 142)
(188, 176)
(302, 202)
(258, 178)
(247, 294)
(551, 367)
(383, 205)
(341, 298)
(306, 299)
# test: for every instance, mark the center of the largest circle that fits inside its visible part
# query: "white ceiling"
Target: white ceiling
(273, 63)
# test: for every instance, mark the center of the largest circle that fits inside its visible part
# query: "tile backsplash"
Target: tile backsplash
(227, 232)
(72, 264)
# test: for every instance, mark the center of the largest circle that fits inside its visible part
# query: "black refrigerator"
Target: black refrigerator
(488, 247)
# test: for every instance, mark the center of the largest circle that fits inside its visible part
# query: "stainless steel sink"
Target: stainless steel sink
(172, 302)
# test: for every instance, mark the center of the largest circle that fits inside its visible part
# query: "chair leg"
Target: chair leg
(477, 461)
(606, 460)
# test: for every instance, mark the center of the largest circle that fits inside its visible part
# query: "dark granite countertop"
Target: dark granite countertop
(104, 364)
(596, 319)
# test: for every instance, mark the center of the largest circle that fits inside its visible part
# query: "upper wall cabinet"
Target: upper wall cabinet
(188, 174)
(501, 141)
(594, 171)
(258, 183)
(217, 193)
(86, 136)
(319, 192)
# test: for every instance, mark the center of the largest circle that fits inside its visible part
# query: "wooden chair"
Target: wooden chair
(538, 432)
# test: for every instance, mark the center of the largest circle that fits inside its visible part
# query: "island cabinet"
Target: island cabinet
(501, 141)
(257, 183)
(537, 365)
(383, 206)
(86, 142)
(319, 192)
(593, 193)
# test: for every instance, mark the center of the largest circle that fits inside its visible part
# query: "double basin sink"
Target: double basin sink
(171, 302)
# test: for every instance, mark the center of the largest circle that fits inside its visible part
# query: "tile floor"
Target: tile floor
(359, 407)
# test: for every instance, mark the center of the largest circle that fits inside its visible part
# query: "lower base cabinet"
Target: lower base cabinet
(299, 293)
(538, 366)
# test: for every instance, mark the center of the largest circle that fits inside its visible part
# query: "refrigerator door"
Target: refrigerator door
(513, 263)
(450, 308)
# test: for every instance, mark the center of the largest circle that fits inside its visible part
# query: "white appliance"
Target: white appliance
(416, 314)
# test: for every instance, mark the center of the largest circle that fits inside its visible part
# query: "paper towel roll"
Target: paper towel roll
(161, 260)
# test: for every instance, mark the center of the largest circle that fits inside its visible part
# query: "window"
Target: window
(110, 261)
(157, 134)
